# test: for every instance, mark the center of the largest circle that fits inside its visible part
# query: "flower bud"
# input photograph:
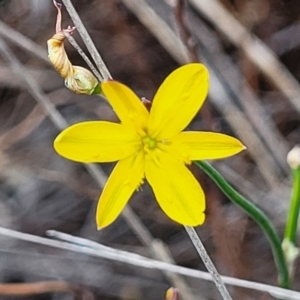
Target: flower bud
(291, 253)
(77, 79)
(82, 81)
(293, 157)
(172, 294)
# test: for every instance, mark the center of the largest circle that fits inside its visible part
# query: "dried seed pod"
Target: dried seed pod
(78, 79)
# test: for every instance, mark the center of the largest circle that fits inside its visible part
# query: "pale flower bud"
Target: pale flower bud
(82, 81)
(293, 157)
(77, 79)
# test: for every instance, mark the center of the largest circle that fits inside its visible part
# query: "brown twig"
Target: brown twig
(184, 32)
(36, 288)
(155, 24)
(285, 40)
(193, 52)
(23, 42)
(264, 59)
(22, 129)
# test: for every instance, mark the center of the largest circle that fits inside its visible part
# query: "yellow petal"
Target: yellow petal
(204, 145)
(177, 191)
(128, 107)
(178, 100)
(96, 141)
(126, 177)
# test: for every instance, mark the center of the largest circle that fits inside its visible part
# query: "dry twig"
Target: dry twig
(37, 288)
(253, 47)
(87, 40)
(184, 32)
(91, 248)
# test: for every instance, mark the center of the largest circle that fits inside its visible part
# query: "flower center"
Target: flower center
(149, 143)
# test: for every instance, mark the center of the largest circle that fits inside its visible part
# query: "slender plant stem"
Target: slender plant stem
(257, 215)
(83, 55)
(208, 262)
(87, 40)
(290, 237)
(293, 215)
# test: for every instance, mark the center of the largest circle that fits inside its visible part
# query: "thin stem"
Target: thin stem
(83, 55)
(159, 28)
(87, 40)
(208, 262)
(257, 215)
(293, 215)
(183, 30)
(290, 237)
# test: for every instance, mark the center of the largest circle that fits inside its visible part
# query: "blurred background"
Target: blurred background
(251, 97)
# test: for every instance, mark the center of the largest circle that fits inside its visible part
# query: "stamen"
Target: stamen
(149, 143)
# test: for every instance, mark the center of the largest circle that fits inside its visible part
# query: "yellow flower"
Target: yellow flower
(151, 145)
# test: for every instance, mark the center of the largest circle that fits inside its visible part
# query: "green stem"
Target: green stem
(97, 90)
(292, 220)
(256, 214)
